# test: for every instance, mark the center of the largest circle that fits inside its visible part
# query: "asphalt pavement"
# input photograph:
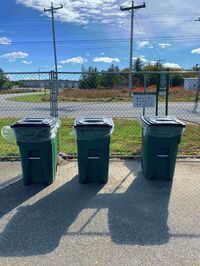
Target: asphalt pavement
(128, 221)
(183, 110)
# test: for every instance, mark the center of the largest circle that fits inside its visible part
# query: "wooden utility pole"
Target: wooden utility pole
(132, 9)
(52, 10)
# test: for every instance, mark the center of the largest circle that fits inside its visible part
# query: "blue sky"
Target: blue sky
(96, 33)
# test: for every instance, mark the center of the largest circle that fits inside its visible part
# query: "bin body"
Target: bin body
(93, 141)
(161, 137)
(38, 151)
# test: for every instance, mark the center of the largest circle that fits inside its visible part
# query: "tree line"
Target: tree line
(6, 83)
(92, 78)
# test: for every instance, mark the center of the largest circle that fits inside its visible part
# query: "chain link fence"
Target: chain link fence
(69, 95)
(155, 218)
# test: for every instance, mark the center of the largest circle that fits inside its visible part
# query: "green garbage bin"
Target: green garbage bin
(160, 139)
(93, 140)
(38, 144)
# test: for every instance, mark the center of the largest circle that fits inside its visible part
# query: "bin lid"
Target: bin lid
(35, 122)
(162, 121)
(93, 122)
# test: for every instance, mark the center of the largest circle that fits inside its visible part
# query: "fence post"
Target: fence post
(167, 93)
(51, 91)
(145, 90)
(197, 94)
(157, 92)
(54, 94)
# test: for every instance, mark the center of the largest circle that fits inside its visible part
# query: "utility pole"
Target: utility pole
(52, 10)
(132, 8)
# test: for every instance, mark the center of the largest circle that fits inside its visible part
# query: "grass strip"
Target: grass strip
(126, 139)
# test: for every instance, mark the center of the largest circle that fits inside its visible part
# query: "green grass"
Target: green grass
(33, 98)
(45, 98)
(6, 148)
(14, 91)
(41, 98)
(126, 139)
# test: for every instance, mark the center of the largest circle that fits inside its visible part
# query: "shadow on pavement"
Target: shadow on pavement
(15, 194)
(37, 229)
(139, 216)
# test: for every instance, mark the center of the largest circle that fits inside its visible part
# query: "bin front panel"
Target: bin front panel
(159, 156)
(39, 161)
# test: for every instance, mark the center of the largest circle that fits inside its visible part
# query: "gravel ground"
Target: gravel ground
(128, 221)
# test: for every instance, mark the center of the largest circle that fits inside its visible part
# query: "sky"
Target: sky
(96, 33)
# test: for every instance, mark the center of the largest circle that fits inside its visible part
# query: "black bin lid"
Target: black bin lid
(36, 122)
(93, 122)
(158, 121)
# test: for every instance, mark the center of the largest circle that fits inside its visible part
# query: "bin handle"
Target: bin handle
(34, 158)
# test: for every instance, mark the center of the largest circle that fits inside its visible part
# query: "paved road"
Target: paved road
(183, 110)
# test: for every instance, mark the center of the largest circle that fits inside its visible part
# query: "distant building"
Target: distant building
(190, 83)
(63, 84)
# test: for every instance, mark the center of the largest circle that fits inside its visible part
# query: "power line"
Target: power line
(170, 38)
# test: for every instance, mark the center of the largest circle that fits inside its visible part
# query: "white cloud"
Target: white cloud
(172, 65)
(145, 60)
(164, 45)
(152, 20)
(138, 32)
(196, 51)
(79, 11)
(151, 62)
(27, 62)
(75, 60)
(106, 59)
(142, 57)
(5, 41)
(14, 55)
(144, 44)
